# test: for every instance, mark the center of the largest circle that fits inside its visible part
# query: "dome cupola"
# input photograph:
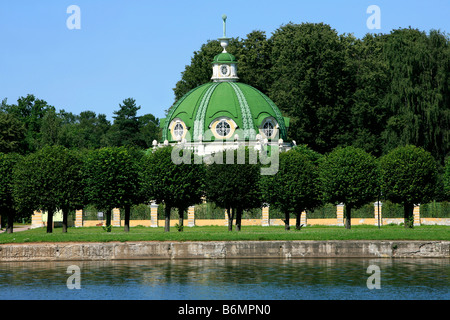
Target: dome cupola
(224, 110)
(224, 64)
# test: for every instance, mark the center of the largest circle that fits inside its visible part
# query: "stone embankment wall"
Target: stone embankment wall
(222, 249)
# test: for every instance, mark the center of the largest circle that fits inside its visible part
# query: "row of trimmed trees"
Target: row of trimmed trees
(55, 178)
(306, 180)
(407, 175)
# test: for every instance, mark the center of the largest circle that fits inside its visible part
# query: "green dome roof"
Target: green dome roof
(224, 57)
(243, 104)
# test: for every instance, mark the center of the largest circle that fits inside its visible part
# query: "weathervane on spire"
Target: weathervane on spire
(224, 18)
(224, 40)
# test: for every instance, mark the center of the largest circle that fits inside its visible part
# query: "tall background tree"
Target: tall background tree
(255, 63)
(12, 133)
(312, 84)
(149, 129)
(30, 111)
(446, 179)
(369, 72)
(131, 130)
(50, 129)
(87, 131)
(418, 94)
(125, 128)
(32, 124)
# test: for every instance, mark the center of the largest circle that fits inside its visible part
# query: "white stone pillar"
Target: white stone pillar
(36, 220)
(265, 222)
(191, 216)
(416, 214)
(116, 217)
(154, 215)
(377, 206)
(303, 219)
(78, 218)
(340, 214)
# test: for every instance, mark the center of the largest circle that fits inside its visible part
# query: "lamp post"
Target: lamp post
(378, 205)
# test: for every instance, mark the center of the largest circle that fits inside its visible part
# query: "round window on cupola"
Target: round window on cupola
(223, 128)
(268, 128)
(178, 129)
(224, 70)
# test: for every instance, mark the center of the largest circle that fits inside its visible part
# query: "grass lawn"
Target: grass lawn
(218, 233)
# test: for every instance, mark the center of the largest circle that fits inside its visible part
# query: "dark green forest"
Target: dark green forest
(31, 124)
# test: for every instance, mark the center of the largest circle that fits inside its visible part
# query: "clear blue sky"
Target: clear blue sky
(139, 48)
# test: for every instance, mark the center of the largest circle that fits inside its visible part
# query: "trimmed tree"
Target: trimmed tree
(349, 175)
(408, 176)
(193, 183)
(72, 185)
(295, 187)
(111, 181)
(135, 195)
(235, 186)
(49, 180)
(7, 163)
(167, 181)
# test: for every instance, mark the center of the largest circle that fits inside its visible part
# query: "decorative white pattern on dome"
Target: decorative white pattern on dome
(277, 112)
(249, 132)
(173, 109)
(199, 122)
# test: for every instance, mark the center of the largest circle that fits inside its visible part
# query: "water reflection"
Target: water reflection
(228, 279)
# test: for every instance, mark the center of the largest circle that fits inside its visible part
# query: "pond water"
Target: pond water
(243, 279)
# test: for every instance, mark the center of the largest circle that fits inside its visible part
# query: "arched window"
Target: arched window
(178, 130)
(268, 129)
